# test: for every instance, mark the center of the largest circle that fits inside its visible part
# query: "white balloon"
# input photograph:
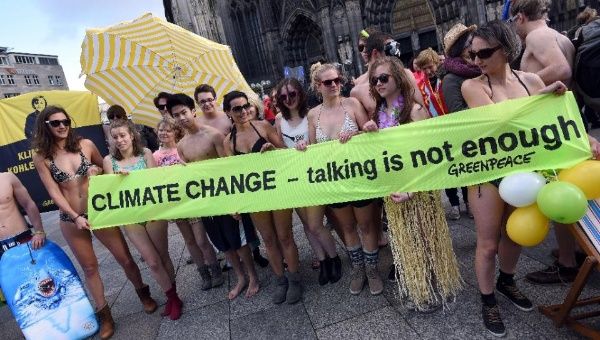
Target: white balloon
(521, 190)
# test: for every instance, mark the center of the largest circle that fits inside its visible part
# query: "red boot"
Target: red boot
(174, 304)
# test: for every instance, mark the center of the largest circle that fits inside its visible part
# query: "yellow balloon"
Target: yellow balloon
(586, 176)
(527, 226)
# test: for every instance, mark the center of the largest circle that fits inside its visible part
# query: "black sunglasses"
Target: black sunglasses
(483, 53)
(240, 108)
(161, 107)
(361, 47)
(57, 122)
(383, 78)
(284, 97)
(207, 100)
(328, 82)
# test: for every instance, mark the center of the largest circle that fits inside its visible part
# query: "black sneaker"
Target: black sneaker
(515, 296)
(392, 274)
(492, 320)
(555, 273)
(259, 259)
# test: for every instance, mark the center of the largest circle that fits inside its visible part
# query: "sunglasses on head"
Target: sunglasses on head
(483, 53)
(290, 95)
(240, 108)
(57, 122)
(512, 19)
(383, 78)
(161, 107)
(328, 82)
(207, 100)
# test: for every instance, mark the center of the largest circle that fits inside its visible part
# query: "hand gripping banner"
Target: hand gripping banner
(465, 148)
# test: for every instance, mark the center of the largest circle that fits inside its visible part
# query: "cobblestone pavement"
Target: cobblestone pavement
(328, 312)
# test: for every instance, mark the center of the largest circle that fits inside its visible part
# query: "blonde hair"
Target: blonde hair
(315, 71)
(172, 124)
(427, 56)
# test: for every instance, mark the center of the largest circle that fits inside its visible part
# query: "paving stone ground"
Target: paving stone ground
(328, 312)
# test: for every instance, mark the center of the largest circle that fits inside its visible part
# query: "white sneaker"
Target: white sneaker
(454, 213)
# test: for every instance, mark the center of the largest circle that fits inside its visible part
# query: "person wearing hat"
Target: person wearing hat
(459, 67)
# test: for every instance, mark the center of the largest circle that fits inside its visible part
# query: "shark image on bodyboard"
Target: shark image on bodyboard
(45, 294)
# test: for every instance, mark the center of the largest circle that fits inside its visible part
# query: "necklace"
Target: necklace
(386, 120)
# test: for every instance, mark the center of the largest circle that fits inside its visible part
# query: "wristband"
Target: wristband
(39, 233)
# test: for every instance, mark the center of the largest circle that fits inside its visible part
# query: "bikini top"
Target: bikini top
(516, 75)
(291, 135)
(347, 126)
(255, 148)
(60, 176)
(139, 165)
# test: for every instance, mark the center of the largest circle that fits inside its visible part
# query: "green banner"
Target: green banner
(465, 148)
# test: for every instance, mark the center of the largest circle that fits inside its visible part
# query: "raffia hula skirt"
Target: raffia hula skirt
(426, 266)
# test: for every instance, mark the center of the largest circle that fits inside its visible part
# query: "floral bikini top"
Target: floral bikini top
(139, 165)
(60, 176)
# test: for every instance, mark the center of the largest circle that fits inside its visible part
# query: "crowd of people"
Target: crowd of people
(474, 71)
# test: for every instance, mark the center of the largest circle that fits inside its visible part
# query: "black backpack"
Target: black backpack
(586, 75)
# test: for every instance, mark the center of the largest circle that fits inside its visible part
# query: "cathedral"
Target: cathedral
(270, 37)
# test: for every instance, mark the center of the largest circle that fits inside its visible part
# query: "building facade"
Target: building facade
(268, 36)
(25, 72)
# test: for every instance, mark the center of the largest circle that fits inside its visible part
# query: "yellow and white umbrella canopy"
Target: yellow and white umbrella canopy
(130, 63)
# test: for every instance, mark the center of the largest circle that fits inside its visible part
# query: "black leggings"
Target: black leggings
(452, 195)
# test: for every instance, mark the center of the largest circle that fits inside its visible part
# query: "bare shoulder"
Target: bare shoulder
(532, 80)
(147, 152)
(8, 177)
(352, 102)
(473, 84)
(312, 113)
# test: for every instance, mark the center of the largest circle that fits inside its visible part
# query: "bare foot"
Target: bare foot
(237, 290)
(253, 288)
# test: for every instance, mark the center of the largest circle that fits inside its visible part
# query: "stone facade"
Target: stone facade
(267, 35)
(25, 72)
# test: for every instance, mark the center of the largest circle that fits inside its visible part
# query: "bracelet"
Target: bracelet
(37, 232)
(78, 216)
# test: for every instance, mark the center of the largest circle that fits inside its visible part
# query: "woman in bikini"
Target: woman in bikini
(192, 230)
(292, 126)
(493, 48)
(275, 227)
(148, 238)
(64, 162)
(339, 118)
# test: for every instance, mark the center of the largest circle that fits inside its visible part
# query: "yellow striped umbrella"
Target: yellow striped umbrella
(130, 63)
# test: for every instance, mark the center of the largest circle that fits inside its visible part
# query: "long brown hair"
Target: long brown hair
(138, 147)
(44, 141)
(402, 81)
(302, 106)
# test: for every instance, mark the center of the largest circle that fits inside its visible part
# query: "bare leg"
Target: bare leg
(233, 258)
(114, 241)
(508, 251)
(566, 245)
(332, 218)
(488, 210)
(210, 257)
(283, 226)
(80, 242)
(246, 255)
(368, 227)
(159, 235)
(142, 242)
(263, 221)
(190, 242)
(347, 224)
(314, 218)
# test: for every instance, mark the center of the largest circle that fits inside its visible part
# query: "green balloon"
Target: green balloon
(562, 202)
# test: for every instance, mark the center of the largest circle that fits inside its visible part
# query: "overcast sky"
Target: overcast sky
(58, 27)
